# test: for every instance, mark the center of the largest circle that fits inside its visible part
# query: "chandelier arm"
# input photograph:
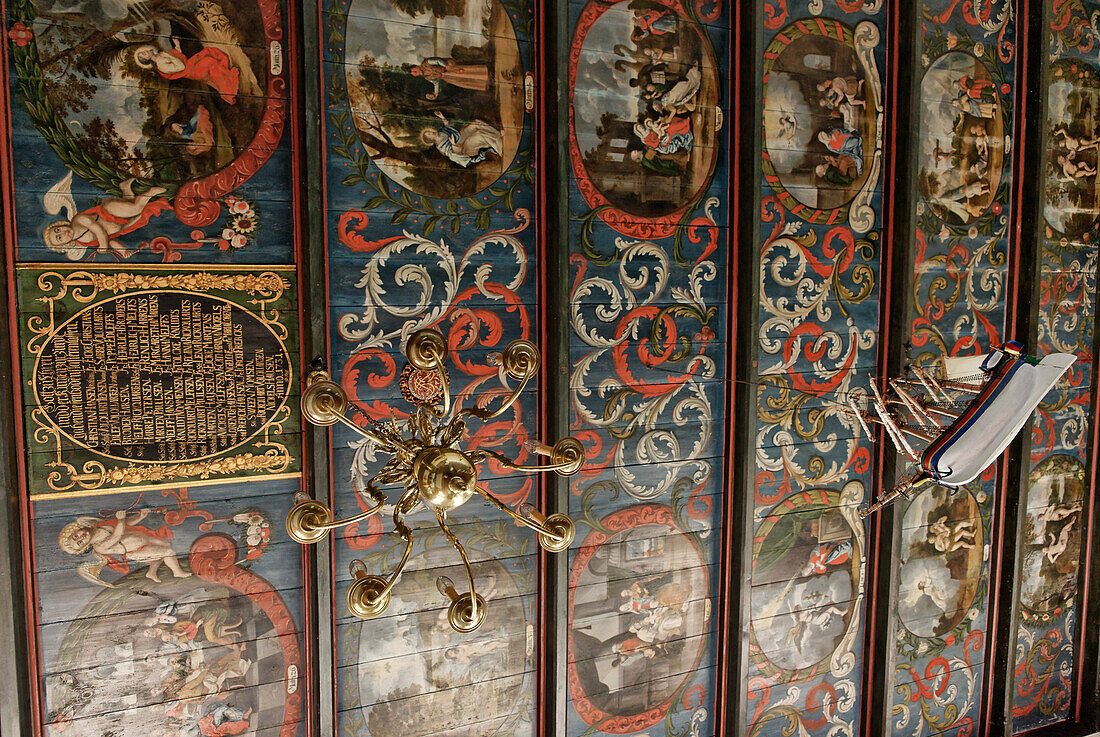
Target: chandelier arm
(522, 519)
(348, 521)
(446, 389)
(370, 490)
(404, 504)
(508, 463)
(369, 434)
(425, 351)
(488, 414)
(441, 516)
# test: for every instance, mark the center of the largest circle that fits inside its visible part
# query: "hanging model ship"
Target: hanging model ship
(966, 409)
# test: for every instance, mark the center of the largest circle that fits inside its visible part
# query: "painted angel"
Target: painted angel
(99, 226)
(812, 616)
(117, 543)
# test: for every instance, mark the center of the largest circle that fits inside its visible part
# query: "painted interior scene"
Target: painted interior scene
(435, 91)
(962, 138)
(819, 119)
(644, 106)
(637, 620)
(549, 368)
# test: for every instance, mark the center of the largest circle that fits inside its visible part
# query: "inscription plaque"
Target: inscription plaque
(162, 377)
(143, 377)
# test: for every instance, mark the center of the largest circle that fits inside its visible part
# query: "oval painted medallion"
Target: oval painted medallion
(940, 564)
(170, 93)
(162, 377)
(418, 677)
(1052, 537)
(1071, 203)
(962, 138)
(638, 608)
(820, 119)
(805, 576)
(179, 655)
(644, 92)
(435, 91)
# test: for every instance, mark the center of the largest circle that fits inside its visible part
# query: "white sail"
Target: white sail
(975, 440)
(957, 368)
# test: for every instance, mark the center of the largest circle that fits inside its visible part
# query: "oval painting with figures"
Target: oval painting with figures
(962, 142)
(1072, 202)
(940, 561)
(819, 116)
(644, 106)
(805, 575)
(418, 677)
(176, 656)
(166, 92)
(1052, 537)
(435, 91)
(637, 618)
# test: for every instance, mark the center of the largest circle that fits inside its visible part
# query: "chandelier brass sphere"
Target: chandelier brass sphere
(428, 462)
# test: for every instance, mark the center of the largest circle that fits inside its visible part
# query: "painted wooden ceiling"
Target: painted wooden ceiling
(719, 222)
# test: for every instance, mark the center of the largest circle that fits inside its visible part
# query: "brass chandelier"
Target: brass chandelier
(427, 461)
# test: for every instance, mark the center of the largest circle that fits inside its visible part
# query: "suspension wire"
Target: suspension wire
(823, 396)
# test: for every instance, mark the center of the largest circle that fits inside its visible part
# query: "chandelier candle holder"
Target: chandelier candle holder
(428, 462)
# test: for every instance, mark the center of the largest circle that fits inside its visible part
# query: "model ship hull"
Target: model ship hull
(977, 437)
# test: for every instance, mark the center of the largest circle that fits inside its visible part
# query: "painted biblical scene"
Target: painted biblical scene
(1071, 202)
(805, 575)
(644, 107)
(436, 91)
(1052, 536)
(155, 619)
(962, 139)
(418, 677)
(638, 613)
(164, 92)
(820, 116)
(940, 564)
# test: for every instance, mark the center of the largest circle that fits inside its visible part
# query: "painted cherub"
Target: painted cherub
(99, 226)
(841, 90)
(1073, 171)
(947, 538)
(1074, 144)
(117, 543)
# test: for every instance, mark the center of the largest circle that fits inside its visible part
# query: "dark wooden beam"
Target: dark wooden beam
(320, 635)
(553, 168)
(19, 696)
(895, 295)
(1022, 324)
(739, 440)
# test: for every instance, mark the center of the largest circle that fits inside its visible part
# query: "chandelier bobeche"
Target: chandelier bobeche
(427, 461)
